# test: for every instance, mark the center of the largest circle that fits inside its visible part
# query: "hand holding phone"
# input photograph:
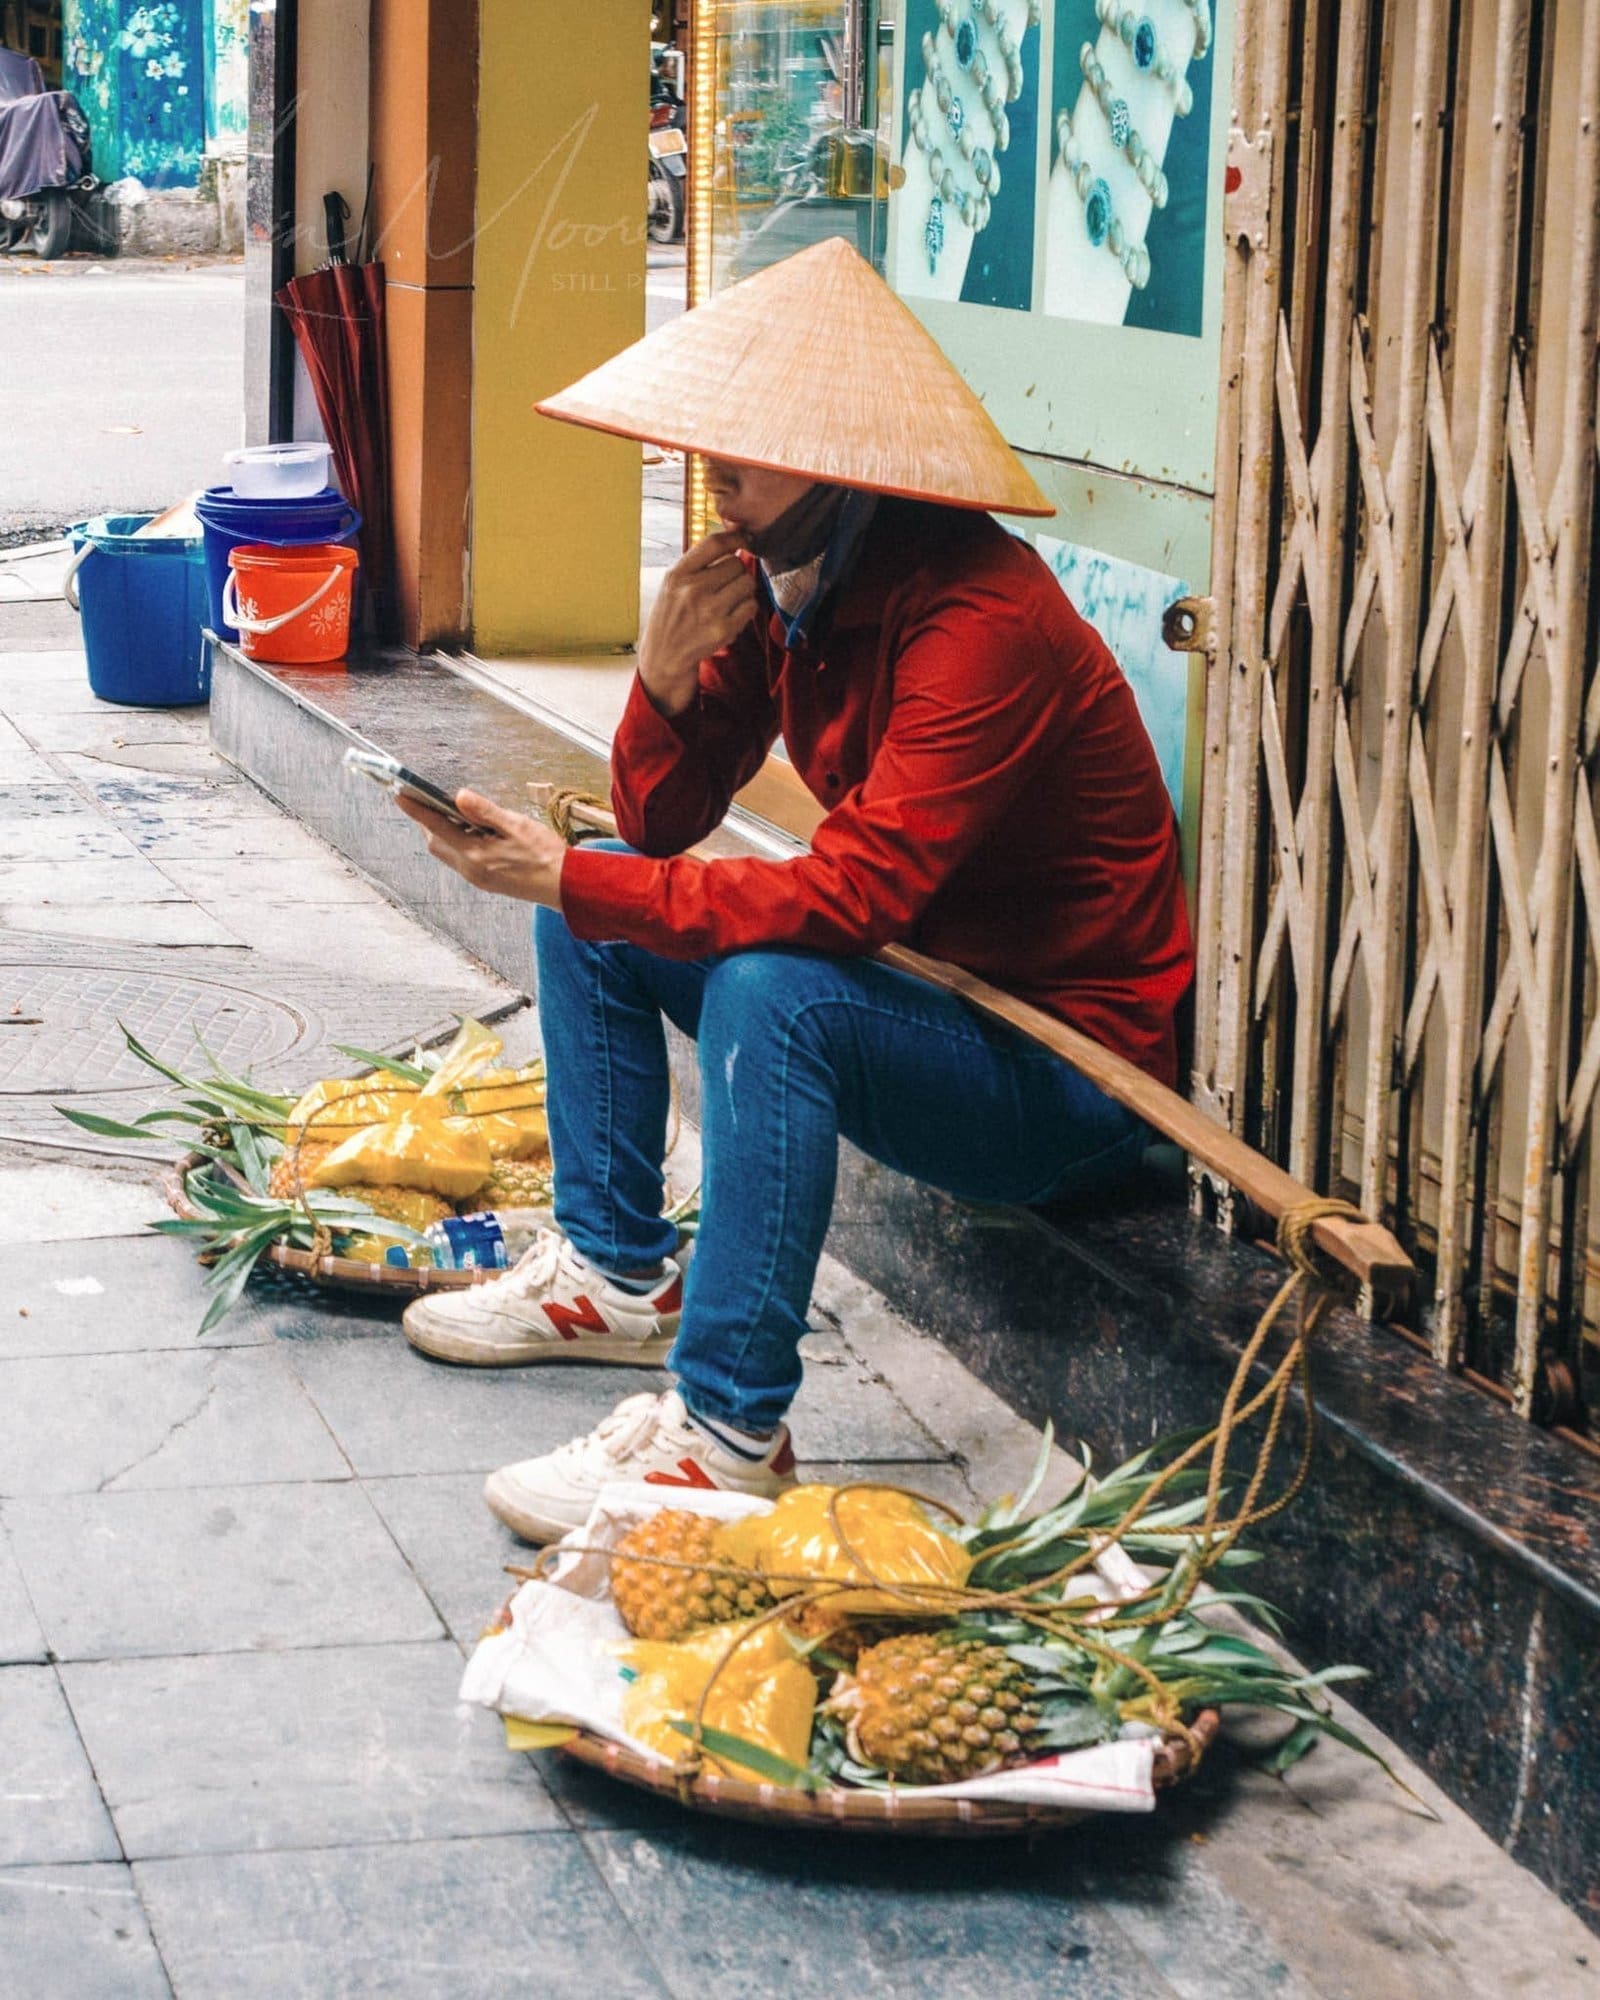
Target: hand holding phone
(503, 852)
(402, 783)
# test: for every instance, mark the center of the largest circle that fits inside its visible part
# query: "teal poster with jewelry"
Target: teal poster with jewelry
(1055, 220)
(963, 222)
(1125, 201)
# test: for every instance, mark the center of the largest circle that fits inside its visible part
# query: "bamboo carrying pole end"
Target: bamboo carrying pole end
(1369, 1251)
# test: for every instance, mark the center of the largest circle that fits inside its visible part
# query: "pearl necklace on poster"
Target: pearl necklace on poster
(978, 70)
(1137, 34)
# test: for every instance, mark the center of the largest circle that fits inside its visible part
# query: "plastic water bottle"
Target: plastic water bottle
(468, 1243)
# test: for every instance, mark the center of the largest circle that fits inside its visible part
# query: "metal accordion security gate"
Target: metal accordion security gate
(1399, 870)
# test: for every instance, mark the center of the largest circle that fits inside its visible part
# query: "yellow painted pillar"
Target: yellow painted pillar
(559, 286)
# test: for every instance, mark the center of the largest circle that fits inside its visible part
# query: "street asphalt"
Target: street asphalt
(123, 386)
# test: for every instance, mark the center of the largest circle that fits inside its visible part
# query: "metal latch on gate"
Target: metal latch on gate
(1189, 625)
(1247, 188)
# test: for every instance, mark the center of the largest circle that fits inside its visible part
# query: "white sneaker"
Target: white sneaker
(550, 1306)
(645, 1437)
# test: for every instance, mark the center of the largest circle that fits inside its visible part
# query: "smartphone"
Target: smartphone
(394, 777)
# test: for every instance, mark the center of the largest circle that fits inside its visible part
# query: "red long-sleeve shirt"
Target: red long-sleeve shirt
(993, 798)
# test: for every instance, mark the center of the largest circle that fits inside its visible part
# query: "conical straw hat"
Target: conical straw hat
(812, 366)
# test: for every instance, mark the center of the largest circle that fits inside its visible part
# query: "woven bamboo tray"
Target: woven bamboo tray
(842, 1809)
(340, 1273)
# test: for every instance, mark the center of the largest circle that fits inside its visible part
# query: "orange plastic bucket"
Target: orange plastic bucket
(291, 605)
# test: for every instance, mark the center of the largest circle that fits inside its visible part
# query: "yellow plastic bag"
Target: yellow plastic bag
(421, 1148)
(422, 1145)
(507, 1107)
(331, 1110)
(473, 1049)
(890, 1533)
(764, 1695)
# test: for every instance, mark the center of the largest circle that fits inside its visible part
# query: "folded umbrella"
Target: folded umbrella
(337, 316)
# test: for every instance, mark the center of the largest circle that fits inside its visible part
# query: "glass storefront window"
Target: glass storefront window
(800, 129)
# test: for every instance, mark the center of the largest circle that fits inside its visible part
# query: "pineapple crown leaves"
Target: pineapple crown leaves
(401, 1071)
(228, 1106)
(1196, 1667)
(237, 1223)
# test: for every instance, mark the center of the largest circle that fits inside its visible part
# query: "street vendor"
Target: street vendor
(991, 797)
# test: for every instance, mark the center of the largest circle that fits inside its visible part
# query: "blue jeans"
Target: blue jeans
(795, 1050)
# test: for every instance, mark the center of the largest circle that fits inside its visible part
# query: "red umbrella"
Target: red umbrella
(337, 317)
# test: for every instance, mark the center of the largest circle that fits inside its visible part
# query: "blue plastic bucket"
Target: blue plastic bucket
(143, 605)
(229, 521)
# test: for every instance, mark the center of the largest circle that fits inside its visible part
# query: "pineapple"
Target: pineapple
(415, 1207)
(656, 1602)
(840, 1637)
(513, 1184)
(930, 1708)
(411, 1206)
(292, 1171)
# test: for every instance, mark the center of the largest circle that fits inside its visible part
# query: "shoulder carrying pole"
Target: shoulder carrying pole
(1365, 1249)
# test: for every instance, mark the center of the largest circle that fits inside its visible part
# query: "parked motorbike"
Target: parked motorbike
(46, 165)
(669, 163)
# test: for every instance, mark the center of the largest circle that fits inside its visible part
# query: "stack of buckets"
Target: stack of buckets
(145, 600)
(279, 585)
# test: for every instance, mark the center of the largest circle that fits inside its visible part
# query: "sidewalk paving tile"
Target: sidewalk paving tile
(456, 1546)
(214, 1570)
(939, 1478)
(20, 763)
(228, 881)
(396, 1412)
(354, 940)
(123, 878)
(57, 683)
(735, 1911)
(324, 1748)
(20, 1637)
(94, 732)
(1193, 1932)
(54, 823)
(185, 758)
(592, 1801)
(177, 815)
(76, 1934)
(121, 1295)
(116, 1422)
(155, 922)
(844, 1411)
(482, 1919)
(50, 1806)
(68, 1204)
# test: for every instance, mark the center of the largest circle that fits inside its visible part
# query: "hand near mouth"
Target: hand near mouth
(706, 600)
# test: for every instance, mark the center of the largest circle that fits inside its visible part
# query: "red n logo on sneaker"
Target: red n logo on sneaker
(569, 1323)
(692, 1475)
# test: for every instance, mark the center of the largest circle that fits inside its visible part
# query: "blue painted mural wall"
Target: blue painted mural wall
(149, 77)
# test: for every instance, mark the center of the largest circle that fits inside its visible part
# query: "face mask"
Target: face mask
(801, 532)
